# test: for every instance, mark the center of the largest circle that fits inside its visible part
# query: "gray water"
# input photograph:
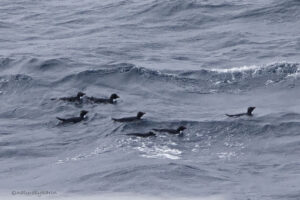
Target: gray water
(183, 63)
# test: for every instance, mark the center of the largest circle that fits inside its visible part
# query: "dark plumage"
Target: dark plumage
(73, 99)
(149, 134)
(74, 119)
(110, 100)
(248, 113)
(130, 119)
(172, 131)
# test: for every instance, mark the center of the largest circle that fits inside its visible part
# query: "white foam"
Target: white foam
(237, 69)
(160, 152)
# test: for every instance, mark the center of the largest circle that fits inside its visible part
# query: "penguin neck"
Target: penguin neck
(111, 100)
(179, 130)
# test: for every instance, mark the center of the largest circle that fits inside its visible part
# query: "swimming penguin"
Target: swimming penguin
(72, 99)
(74, 119)
(248, 113)
(179, 130)
(111, 100)
(130, 119)
(149, 134)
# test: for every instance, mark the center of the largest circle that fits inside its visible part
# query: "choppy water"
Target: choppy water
(183, 63)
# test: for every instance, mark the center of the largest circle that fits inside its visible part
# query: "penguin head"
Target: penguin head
(83, 113)
(250, 110)
(140, 114)
(114, 96)
(80, 94)
(181, 128)
(152, 133)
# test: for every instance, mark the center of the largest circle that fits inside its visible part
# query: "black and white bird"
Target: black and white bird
(74, 119)
(76, 98)
(149, 134)
(111, 100)
(248, 113)
(179, 130)
(130, 119)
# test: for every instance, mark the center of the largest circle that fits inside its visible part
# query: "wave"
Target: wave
(125, 76)
(194, 13)
(14, 83)
(225, 139)
(278, 11)
(170, 8)
(199, 81)
(178, 14)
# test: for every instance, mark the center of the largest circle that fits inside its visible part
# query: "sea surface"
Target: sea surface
(183, 62)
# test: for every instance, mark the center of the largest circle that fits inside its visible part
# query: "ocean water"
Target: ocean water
(183, 62)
